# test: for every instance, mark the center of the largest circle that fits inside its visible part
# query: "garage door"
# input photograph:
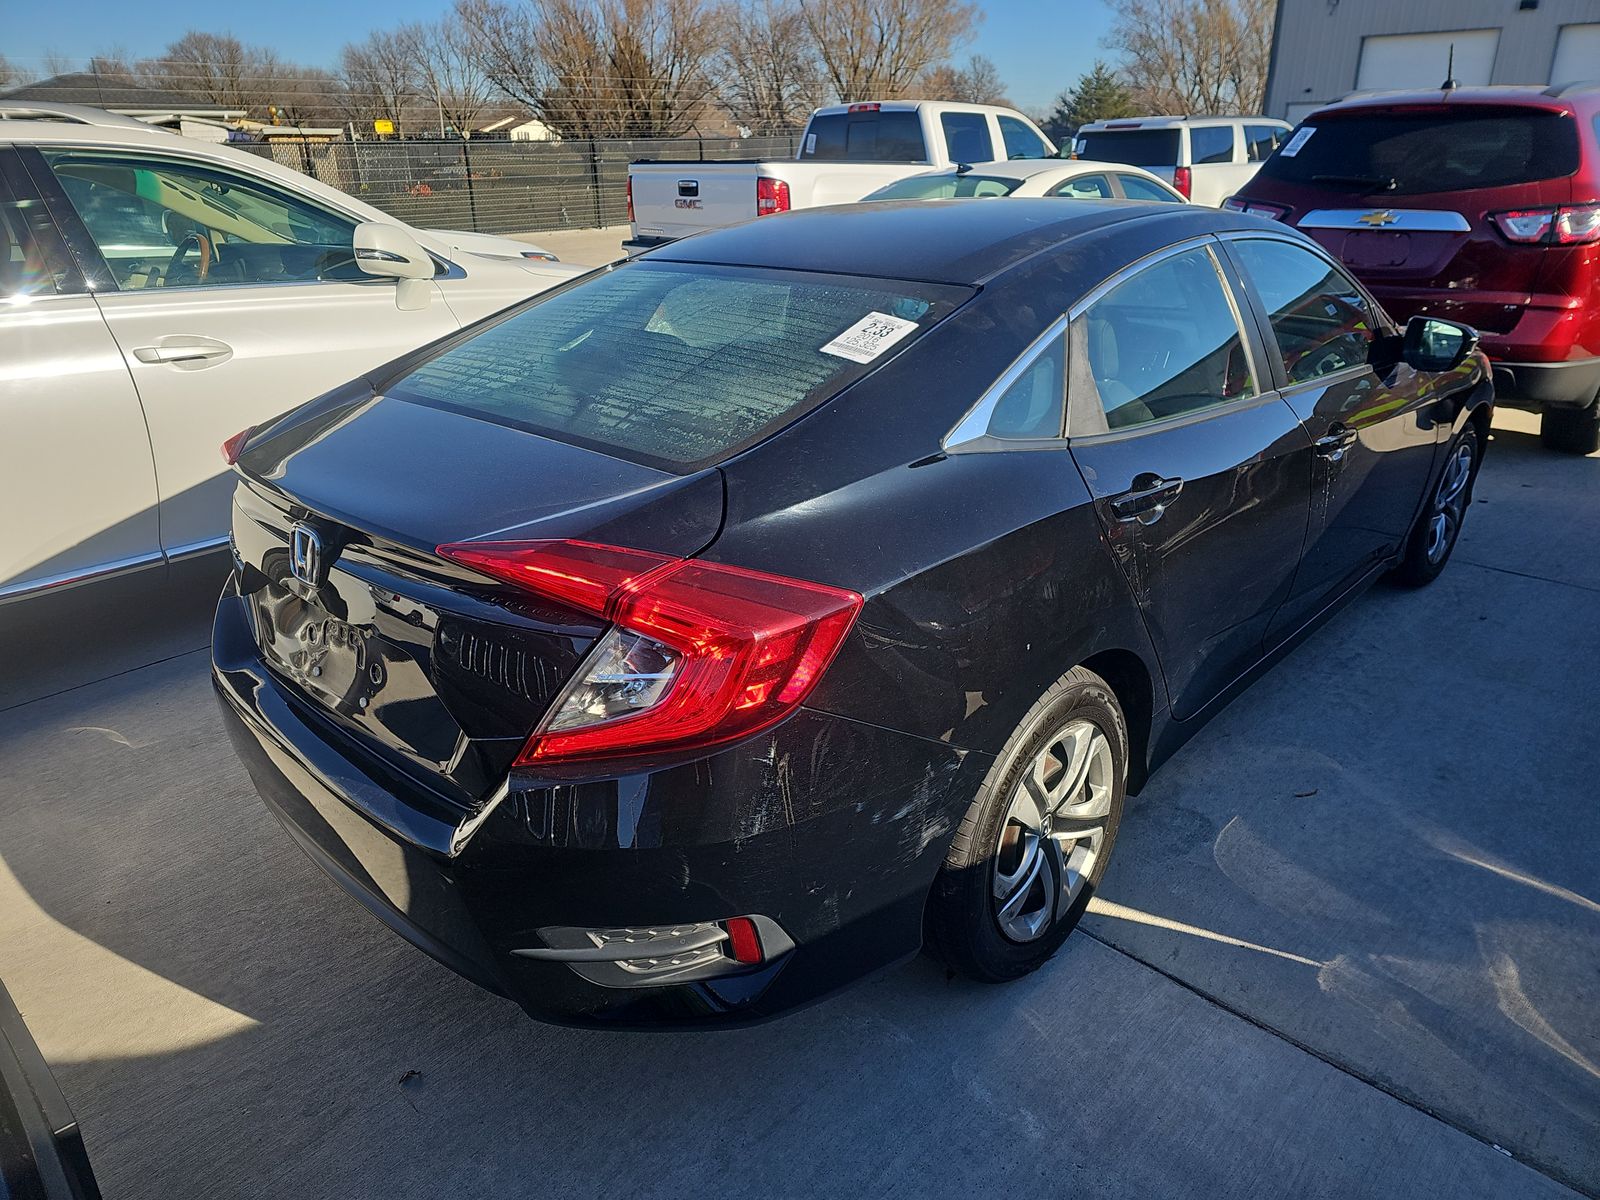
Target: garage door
(1420, 60)
(1577, 54)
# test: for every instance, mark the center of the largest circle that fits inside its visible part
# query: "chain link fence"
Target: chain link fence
(503, 186)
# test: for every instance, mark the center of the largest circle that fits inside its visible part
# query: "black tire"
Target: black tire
(1571, 430)
(963, 924)
(1425, 557)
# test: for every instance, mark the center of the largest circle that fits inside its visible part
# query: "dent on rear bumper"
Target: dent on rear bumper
(833, 828)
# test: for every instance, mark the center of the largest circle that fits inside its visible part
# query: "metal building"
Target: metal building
(1324, 49)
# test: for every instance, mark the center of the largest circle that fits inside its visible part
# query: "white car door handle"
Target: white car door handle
(183, 352)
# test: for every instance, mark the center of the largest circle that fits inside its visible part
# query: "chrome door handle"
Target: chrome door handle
(1335, 442)
(178, 354)
(1147, 500)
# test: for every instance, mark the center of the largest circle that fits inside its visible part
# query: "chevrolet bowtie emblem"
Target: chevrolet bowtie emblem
(1382, 216)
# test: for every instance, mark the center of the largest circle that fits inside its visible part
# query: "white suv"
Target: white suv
(159, 294)
(1208, 159)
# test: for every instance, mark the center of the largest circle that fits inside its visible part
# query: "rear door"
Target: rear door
(1406, 199)
(1197, 467)
(1372, 427)
(77, 483)
(234, 301)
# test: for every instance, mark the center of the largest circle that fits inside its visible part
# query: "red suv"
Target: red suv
(1481, 205)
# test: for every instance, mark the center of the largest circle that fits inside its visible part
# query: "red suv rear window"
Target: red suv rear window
(1410, 153)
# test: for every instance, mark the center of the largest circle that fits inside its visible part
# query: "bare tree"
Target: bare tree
(379, 79)
(879, 49)
(8, 73)
(306, 96)
(600, 68)
(1196, 56)
(450, 71)
(976, 83)
(216, 68)
(769, 75)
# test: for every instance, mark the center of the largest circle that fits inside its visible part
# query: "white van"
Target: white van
(1208, 159)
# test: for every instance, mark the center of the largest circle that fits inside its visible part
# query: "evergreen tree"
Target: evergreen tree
(1099, 95)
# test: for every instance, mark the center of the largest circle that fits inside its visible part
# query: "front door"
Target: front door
(1372, 427)
(235, 301)
(1198, 470)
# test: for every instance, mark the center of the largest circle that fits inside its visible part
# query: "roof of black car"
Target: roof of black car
(937, 241)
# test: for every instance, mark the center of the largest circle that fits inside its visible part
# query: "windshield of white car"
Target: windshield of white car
(945, 187)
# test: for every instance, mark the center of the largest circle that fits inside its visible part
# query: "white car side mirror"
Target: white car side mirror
(391, 252)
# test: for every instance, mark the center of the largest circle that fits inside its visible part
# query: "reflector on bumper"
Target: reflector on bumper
(644, 956)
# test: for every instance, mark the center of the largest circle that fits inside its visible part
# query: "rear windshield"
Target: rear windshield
(1408, 154)
(865, 137)
(677, 365)
(1140, 147)
(946, 187)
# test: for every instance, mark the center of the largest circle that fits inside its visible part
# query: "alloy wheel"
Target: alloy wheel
(1053, 832)
(1449, 501)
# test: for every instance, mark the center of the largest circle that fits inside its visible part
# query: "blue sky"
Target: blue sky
(1040, 46)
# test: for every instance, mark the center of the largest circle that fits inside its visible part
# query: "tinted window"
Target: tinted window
(1135, 188)
(1435, 152)
(944, 187)
(1261, 140)
(674, 363)
(162, 223)
(1319, 317)
(1137, 147)
(1166, 343)
(865, 137)
(966, 137)
(1031, 406)
(1210, 144)
(33, 261)
(1021, 141)
(1084, 187)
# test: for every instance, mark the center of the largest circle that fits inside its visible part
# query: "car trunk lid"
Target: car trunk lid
(429, 665)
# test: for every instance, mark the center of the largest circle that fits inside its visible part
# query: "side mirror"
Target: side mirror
(1432, 344)
(392, 253)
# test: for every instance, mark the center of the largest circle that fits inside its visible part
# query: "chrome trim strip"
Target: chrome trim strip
(71, 579)
(195, 549)
(974, 427)
(1134, 268)
(1406, 220)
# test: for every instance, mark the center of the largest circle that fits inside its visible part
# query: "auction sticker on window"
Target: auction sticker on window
(1300, 138)
(869, 337)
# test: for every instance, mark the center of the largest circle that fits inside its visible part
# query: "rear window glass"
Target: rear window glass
(1137, 147)
(1211, 144)
(865, 137)
(677, 365)
(945, 187)
(1408, 154)
(966, 137)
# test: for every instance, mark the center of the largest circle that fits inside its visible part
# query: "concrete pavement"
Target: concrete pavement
(1364, 895)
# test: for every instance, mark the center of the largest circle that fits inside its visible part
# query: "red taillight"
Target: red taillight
(232, 448)
(630, 199)
(729, 651)
(870, 107)
(1183, 180)
(1570, 225)
(772, 196)
(743, 941)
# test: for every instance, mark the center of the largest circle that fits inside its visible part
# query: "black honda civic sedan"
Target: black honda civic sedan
(699, 637)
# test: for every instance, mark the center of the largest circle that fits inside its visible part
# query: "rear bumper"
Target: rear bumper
(830, 828)
(1539, 386)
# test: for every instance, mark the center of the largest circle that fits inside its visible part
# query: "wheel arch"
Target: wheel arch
(1134, 687)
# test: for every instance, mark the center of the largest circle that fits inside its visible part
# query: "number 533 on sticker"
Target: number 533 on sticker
(869, 337)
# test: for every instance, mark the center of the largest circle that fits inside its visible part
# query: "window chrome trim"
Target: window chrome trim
(67, 580)
(1118, 278)
(972, 431)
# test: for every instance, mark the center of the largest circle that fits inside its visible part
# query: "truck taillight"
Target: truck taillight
(699, 653)
(630, 199)
(1570, 225)
(872, 107)
(772, 196)
(1183, 180)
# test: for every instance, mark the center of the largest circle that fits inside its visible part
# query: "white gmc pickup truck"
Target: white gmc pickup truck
(847, 150)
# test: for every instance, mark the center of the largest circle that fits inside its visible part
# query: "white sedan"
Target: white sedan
(159, 294)
(1072, 178)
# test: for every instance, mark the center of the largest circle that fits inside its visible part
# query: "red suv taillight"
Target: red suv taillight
(699, 653)
(772, 196)
(1183, 180)
(630, 199)
(1257, 208)
(1570, 225)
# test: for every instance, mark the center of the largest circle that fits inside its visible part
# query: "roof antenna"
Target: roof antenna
(1451, 83)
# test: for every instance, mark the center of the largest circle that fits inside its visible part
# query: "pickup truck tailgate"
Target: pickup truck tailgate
(673, 200)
